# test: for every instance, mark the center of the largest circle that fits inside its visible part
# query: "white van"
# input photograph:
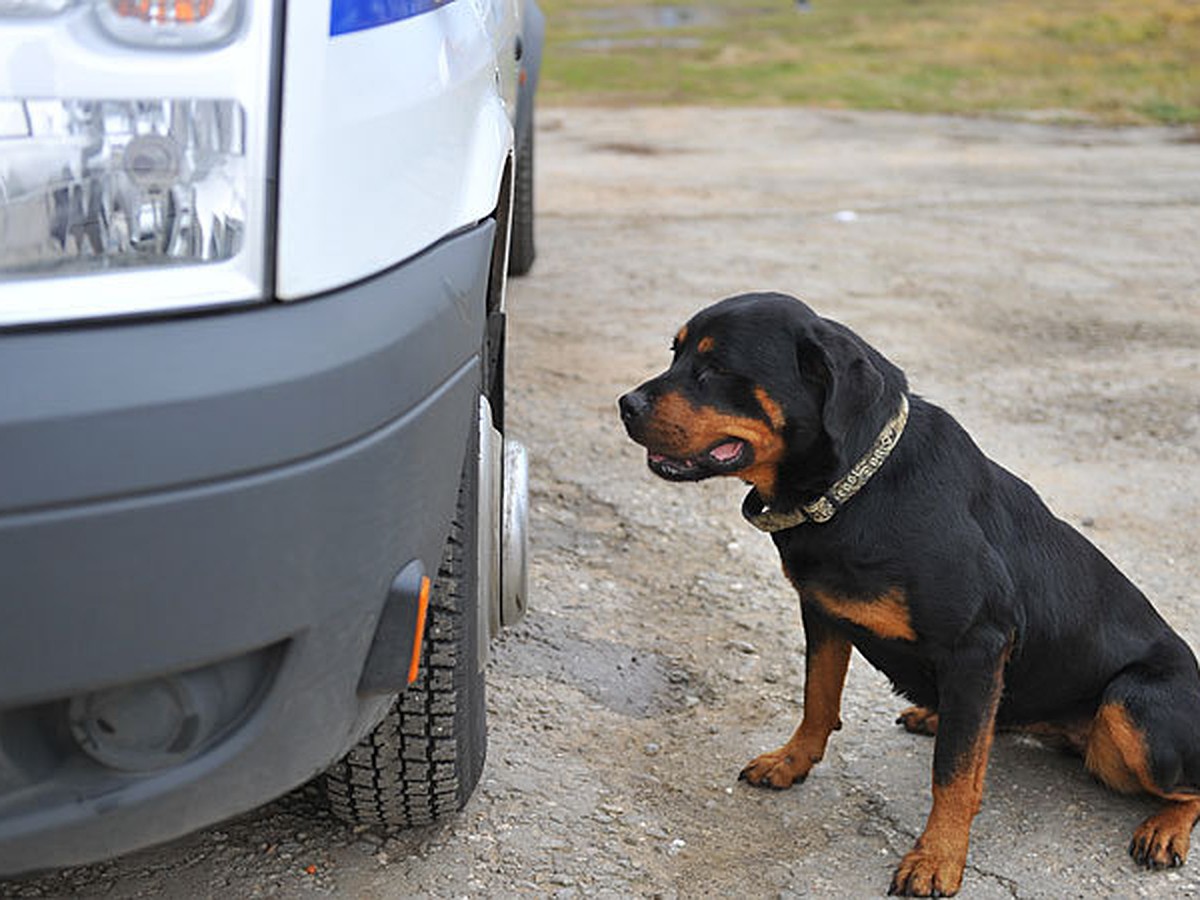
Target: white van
(258, 513)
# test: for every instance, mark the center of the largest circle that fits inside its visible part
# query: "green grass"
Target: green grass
(1112, 61)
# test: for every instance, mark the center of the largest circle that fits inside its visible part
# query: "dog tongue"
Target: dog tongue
(727, 451)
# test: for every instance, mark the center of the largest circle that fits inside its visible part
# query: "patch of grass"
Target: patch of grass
(1113, 61)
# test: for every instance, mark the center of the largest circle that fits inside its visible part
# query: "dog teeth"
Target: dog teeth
(660, 459)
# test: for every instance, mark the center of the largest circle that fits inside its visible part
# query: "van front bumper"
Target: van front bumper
(229, 494)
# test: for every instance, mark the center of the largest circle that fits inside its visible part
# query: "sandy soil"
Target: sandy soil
(1040, 282)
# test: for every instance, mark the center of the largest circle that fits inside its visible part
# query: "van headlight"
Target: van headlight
(136, 156)
(87, 185)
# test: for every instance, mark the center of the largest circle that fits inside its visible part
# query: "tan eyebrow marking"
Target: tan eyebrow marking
(706, 344)
(681, 336)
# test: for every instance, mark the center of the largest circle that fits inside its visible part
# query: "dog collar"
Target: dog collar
(823, 508)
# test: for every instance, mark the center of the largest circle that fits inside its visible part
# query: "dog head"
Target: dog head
(762, 388)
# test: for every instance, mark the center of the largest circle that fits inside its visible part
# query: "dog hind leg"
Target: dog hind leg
(1146, 737)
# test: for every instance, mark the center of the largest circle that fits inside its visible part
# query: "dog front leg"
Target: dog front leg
(969, 688)
(826, 659)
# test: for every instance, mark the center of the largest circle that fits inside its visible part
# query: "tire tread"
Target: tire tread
(423, 759)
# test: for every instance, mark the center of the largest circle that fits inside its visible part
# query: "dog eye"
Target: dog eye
(711, 373)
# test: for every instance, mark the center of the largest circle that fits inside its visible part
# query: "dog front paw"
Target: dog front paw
(924, 873)
(778, 769)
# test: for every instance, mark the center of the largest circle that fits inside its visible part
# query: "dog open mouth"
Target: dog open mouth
(725, 456)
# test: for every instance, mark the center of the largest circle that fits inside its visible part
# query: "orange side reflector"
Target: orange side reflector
(414, 667)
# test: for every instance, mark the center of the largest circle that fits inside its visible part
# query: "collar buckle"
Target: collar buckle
(820, 510)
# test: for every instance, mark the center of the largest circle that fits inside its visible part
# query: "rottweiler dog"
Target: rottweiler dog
(943, 569)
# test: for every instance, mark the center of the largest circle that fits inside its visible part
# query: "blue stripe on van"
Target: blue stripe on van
(358, 15)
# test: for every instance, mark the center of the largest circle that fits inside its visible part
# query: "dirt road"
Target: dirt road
(1042, 283)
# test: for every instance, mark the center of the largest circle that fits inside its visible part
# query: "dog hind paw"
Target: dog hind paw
(1161, 842)
(918, 720)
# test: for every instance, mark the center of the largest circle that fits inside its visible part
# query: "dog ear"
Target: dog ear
(853, 384)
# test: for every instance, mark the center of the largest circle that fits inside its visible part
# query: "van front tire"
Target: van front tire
(425, 758)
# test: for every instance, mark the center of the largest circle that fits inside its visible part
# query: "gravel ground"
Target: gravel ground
(1041, 282)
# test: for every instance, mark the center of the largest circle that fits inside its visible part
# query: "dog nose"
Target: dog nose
(632, 405)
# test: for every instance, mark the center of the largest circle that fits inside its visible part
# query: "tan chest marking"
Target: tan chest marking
(886, 616)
